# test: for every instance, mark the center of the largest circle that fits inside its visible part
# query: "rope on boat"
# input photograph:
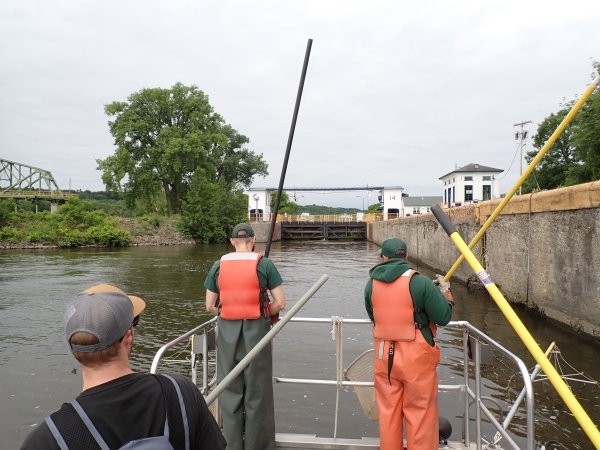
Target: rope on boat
(337, 334)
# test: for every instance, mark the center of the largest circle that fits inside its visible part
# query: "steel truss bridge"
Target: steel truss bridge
(21, 181)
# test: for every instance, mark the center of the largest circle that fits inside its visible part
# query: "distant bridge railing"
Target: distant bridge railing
(37, 194)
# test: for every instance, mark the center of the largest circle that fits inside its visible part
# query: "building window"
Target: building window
(453, 193)
(468, 178)
(393, 213)
(428, 209)
(487, 178)
(487, 192)
(468, 192)
(416, 210)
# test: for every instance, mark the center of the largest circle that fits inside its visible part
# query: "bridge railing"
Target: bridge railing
(36, 194)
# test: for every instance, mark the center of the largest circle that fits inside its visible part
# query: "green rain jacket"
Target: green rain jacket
(426, 296)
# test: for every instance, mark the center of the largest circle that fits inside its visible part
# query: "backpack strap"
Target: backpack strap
(93, 439)
(184, 418)
(57, 436)
(70, 431)
(89, 425)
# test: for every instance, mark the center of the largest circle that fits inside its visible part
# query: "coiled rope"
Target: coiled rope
(337, 334)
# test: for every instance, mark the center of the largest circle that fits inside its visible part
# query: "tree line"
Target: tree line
(174, 155)
(575, 156)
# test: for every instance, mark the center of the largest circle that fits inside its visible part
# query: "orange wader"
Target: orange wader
(406, 381)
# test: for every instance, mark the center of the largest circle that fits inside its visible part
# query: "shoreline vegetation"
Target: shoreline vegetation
(103, 219)
(141, 233)
(78, 224)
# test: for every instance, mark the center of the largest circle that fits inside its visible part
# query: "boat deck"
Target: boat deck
(310, 442)
(468, 386)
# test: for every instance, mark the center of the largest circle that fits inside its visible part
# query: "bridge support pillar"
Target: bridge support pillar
(53, 207)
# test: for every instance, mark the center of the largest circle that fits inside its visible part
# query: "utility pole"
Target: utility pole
(520, 136)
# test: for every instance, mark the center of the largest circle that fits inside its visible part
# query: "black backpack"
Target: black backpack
(93, 439)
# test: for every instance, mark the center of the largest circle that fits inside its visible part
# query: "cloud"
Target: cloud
(396, 93)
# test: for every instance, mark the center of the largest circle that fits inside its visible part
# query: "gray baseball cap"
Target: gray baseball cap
(103, 311)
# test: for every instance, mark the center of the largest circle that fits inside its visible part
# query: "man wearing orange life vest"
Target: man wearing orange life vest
(236, 290)
(405, 308)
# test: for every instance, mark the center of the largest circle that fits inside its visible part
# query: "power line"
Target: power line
(511, 163)
(520, 135)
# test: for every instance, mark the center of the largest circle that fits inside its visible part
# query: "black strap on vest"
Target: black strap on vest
(390, 360)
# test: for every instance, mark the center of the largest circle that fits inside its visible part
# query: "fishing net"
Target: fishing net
(361, 369)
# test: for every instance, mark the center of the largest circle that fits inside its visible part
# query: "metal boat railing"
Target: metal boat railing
(468, 330)
(202, 331)
(471, 395)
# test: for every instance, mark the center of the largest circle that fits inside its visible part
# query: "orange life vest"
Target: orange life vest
(239, 286)
(393, 310)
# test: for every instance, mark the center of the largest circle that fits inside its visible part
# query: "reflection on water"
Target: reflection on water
(38, 374)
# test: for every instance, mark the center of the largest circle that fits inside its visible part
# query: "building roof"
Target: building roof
(473, 167)
(422, 200)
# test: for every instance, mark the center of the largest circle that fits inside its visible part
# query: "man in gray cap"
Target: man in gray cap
(117, 405)
(236, 290)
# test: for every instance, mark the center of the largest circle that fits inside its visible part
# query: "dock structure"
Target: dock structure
(328, 230)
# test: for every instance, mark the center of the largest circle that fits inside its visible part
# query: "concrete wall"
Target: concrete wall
(543, 250)
(262, 229)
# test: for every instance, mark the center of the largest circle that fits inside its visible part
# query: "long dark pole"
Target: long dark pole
(289, 147)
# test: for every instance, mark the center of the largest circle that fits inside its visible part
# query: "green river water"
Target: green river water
(38, 374)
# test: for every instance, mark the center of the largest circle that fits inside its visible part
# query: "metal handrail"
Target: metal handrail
(467, 329)
(528, 385)
(36, 193)
(177, 341)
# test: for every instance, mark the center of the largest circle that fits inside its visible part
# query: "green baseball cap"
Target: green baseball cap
(242, 230)
(393, 248)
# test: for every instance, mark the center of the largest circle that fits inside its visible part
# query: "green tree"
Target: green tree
(163, 137)
(285, 204)
(211, 210)
(7, 207)
(551, 171)
(575, 156)
(586, 140)
(374, 208)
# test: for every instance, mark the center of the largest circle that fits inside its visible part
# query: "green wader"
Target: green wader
(252, 391)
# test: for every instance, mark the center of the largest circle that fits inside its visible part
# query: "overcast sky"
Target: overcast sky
(397, 93)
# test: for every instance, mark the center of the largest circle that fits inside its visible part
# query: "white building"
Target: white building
(420, 205)
(259, 204)
(391, 202)
(469, 184)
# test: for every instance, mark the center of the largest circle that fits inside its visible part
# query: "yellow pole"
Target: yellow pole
(554, 377)
(574, 110)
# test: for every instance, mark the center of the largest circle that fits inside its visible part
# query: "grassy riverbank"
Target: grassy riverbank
(154, 230)
(78, 224)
